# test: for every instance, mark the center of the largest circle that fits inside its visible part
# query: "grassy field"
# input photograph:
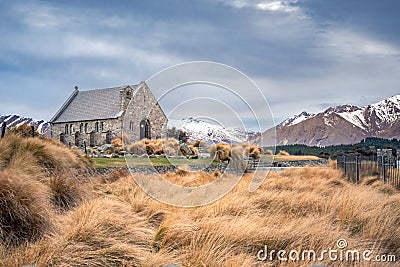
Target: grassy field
(121, 162)
(63, 218)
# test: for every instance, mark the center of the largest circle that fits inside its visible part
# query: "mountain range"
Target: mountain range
(344, 124)
(11, 121)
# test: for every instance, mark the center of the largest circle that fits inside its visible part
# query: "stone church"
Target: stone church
(98, 116)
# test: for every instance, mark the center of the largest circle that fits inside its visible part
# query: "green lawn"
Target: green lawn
(121, 162)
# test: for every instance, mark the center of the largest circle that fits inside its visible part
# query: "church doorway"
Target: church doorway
(145, 129)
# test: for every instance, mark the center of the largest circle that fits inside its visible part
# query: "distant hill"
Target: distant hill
(368, 145)
(42, 126)
(345, 124)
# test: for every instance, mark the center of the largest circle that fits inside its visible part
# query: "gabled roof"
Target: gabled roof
(97, 104)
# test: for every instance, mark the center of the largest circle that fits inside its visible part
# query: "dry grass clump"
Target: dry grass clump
(25, 213)
(223, 151)
(283, 153)
(220, 152)
(35, 180)
(103, 233)
(235, 154)
(194, 150)
(255, 152)
(147, 146)
(35, 156)
(169, 146)
(66, 190)
(269, 152)
(120, 141)
(332, 164)
(138, 148)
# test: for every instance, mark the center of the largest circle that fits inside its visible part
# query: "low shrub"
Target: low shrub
(25, 211)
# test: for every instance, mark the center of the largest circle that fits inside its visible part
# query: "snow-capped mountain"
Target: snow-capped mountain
(207, 132)
(343, 124)
(42, 126)
(296, 119)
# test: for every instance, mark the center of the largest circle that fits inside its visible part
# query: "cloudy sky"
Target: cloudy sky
(303, 54)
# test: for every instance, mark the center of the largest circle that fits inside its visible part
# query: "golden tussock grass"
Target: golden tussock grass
(224, 152)
(36, 179)
(35, 156)
(117, 224)
(283, 153)
(120, 141)
(269, 152)
(168, 146)
(25, 213)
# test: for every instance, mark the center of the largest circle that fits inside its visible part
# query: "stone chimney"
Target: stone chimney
(125, 96)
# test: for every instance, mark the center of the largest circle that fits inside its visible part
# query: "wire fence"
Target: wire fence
(356, 168)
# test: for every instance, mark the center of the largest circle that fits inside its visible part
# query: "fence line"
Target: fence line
(356, 167)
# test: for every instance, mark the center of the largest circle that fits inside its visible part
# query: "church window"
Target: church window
(71, 128)
(96, 127)
(86, 127)
(101, 126)
(81, 127)
(66, 128)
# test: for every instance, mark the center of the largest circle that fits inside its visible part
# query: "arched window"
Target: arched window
(81, 127)
(86, 127)
(66, 129)
(101, 126)
(71, 128)
(96, 127)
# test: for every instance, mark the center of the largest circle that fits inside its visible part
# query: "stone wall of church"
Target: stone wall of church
(95, 133)
(143, 106)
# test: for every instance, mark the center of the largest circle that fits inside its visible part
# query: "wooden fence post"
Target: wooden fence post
(3, 129)
(357, 171)
(383, 170)
(344, 165)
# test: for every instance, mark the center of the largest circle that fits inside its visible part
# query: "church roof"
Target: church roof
(94, 104)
